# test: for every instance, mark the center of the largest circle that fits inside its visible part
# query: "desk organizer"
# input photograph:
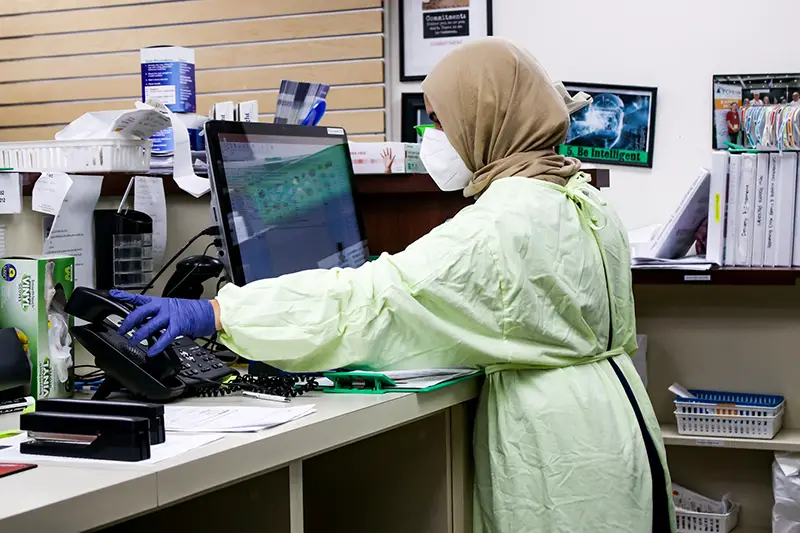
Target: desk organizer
(87, 155)
(729, 414)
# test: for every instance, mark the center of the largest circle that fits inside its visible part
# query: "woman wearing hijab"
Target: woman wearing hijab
(532, 284)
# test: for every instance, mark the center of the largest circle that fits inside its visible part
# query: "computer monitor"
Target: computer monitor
(283, 198)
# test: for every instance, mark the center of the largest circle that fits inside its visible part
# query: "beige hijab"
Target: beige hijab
(501, 113)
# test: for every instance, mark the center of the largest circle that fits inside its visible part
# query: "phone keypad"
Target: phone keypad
(196, 363)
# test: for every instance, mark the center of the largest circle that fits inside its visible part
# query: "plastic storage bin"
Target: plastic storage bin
(697, 513)
(88, 155)
(729, 414)
(697, 522)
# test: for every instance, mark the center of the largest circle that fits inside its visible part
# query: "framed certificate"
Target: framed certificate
(430, 29)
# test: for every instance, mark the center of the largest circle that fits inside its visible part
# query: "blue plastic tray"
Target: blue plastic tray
(736, 398)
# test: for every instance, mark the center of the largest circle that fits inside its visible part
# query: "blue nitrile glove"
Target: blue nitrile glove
(177, 317)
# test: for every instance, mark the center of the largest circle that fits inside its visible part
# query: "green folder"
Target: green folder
(357, 382)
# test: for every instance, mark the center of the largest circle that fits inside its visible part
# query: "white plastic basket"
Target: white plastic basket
(88, 155)
(697, 522)
(723, 414)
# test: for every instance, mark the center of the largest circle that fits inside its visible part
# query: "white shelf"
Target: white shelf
(787, 440)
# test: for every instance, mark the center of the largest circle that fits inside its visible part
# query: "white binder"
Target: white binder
(731, 216)
(717, 204)
(785, 196)
(760, 210)
(744, 214)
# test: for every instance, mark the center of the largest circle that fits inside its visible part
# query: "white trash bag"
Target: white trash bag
(786, 489)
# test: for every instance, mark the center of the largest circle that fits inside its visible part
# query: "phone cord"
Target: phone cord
(286, 385)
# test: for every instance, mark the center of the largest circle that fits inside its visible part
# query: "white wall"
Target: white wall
(676, 46)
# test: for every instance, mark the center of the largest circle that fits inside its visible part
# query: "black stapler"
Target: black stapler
(154, 413)
(113, 438)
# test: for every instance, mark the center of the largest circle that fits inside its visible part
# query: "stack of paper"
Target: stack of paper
(692, 262)
(424, 378)
(234, 419)
(688, 500)
(416, 379)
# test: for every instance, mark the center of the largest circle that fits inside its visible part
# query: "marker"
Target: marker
(266, 397)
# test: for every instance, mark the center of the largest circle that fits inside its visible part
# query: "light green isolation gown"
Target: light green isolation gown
(514, 284)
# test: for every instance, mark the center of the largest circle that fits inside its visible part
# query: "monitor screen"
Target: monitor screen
(287, 202)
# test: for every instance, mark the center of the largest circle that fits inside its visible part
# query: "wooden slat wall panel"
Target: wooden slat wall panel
(354, 122)
(62, 58)
(259, 54)
(168, 14)
(193, 35)
(15, 7)
(340, 98)
(210, 81)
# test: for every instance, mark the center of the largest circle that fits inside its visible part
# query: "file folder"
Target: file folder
(364, 382)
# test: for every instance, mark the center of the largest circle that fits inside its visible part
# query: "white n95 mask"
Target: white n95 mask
(443, 162)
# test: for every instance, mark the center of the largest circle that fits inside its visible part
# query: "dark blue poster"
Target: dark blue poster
(616, 128)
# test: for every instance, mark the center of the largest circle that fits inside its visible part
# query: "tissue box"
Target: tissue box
(168, 76)
(374, 158)
(23, 305)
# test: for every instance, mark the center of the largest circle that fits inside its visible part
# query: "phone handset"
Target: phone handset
(126, 366)
(98, 307)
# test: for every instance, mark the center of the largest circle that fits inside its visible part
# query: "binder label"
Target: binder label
(717, 210)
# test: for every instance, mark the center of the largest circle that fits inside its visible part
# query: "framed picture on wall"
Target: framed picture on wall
(430, 29)
(617, 128)
(412, 113)
(735, 96)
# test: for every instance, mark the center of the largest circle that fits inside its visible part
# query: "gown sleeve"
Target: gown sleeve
(436, 304)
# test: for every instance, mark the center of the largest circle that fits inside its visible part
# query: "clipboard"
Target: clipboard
(361, 382)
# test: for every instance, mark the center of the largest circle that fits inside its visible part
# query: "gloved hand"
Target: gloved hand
(177, 317)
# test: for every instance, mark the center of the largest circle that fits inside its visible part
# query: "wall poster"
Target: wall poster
(735, 96)
(430, 29)
(617, 128)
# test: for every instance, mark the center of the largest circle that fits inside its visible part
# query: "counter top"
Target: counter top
(55, 496)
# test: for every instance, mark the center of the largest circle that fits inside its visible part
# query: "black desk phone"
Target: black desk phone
(182, 369)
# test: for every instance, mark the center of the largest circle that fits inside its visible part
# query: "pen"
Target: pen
(267, 397)
(315, 114)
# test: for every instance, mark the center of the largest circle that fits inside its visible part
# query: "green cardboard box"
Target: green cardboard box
(23, 305)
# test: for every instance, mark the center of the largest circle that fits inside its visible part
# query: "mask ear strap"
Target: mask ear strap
(573, 103)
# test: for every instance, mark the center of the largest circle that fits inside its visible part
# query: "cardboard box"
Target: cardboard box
(168, 76)
(385, 158)
(247, 111)
(23, 305)
(413, 162)
(222, 111)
